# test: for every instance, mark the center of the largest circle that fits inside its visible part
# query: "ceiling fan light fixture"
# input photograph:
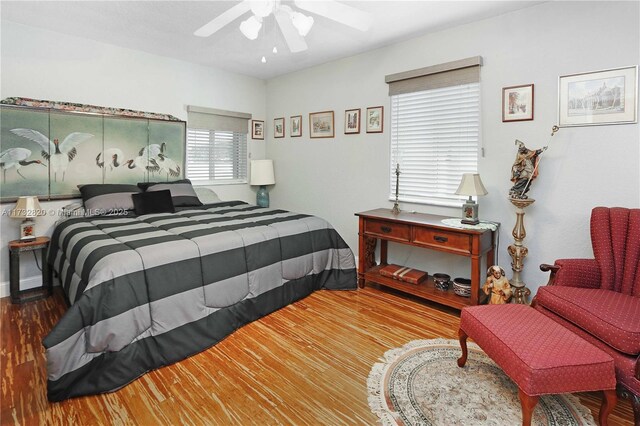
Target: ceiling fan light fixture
(263, 60)
(251, 27)
(275, 50)
(302, 23)
(262, 8)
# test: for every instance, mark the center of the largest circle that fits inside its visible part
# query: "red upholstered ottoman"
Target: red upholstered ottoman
(538, 354)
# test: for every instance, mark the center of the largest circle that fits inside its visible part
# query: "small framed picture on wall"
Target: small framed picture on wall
(321, 124)
(257, 129)
(296, 126)
(517, 103)
(375, 119)
(278, 127)
(352, 121)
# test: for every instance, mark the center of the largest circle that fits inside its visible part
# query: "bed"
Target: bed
(150, 290)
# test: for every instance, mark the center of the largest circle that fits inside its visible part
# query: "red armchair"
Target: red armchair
(599, 299)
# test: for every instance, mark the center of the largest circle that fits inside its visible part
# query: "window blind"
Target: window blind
(453, 73)
(216, 145)
(435, 139)
(216, 156)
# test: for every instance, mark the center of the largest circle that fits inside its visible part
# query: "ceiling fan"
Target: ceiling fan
(293, 24)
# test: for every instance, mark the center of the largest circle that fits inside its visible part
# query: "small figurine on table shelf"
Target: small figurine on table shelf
(497, 286)
(524, 170)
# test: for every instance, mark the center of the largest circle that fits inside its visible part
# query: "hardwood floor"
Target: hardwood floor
(306, 364)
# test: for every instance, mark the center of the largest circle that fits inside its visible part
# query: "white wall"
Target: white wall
(48, 65)
(584, 167)
(334, 178)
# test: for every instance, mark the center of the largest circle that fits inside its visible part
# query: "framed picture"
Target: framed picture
(257, 129)
(296, 126)
(375, 119)
(321, 124)
(598, 97)
(352, 121)
(278, 127)
(517, 103)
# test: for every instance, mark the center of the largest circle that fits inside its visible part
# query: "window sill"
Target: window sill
(218, 182)
(453, 204)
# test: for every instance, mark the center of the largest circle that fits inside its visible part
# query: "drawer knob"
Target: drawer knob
(385, 229)
(440, 239)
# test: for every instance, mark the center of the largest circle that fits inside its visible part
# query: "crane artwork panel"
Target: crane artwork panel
(123, 140)
(24, 171)
(49, 152)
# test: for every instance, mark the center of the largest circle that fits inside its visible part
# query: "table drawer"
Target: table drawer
(443, 239)
(387, 230)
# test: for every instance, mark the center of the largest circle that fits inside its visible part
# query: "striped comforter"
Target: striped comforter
(151, 290)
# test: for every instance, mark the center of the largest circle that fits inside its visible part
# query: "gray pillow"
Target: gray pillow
(108, 198)
(73, 209)
(182, 192)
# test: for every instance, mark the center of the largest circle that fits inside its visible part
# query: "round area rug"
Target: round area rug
(421, 384)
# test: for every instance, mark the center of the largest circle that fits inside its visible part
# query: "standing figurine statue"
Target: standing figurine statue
(497, 286)
(524, 170)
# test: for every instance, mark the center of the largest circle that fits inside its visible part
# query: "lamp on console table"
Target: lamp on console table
(471, 185)
(27, 208)
(262, 175)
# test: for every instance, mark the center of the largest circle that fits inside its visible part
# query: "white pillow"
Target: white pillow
(206, 195)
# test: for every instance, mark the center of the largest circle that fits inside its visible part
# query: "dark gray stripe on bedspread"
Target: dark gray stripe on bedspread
(154, 352)
(97, 254)
(188, 274)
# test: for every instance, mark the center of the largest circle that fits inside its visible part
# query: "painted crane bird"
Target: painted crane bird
(115, 156)
(16, 158)
(58, 154)
(162, 164)
(144, 159)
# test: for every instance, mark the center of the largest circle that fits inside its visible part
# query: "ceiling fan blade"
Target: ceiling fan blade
(294, 40)
(338, 12)
(224, 19)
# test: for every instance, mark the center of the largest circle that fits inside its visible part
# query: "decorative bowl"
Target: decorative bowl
(462, 287)
(441, 281)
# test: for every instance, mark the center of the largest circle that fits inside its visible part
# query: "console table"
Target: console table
(426, 231)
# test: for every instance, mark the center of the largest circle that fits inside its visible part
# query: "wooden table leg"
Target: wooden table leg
(528, 403)
(475, 279)
(14, 275)
(361, 262)
(463, 344)
(608, 403)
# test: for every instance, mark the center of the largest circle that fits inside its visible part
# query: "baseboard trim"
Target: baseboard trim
(25, 284)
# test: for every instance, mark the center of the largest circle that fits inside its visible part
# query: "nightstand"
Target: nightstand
(15, 248)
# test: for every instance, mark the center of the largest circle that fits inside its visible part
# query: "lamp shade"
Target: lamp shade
(302, 23)
(251, 27)
(262, 172)
(26, 207)
(471, 184)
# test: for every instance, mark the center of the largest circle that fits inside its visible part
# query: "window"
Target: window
(219, 156)
(435, 129)
(216, 146)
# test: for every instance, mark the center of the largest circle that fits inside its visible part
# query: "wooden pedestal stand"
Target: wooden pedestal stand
(518, 251)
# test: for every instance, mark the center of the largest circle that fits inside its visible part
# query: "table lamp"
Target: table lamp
(262, 175)
(27, 208)
(470, 185)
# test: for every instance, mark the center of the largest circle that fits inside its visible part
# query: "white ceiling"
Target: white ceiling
(166, 28)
